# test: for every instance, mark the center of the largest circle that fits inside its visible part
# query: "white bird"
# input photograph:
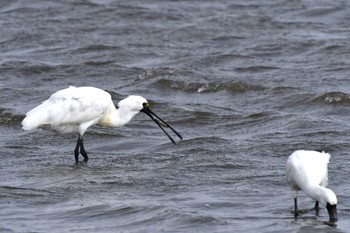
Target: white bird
(75, 109)
(307, 171)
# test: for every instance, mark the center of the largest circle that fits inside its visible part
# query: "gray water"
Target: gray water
(245, 82)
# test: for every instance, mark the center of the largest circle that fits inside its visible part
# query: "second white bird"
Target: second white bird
(307, 171)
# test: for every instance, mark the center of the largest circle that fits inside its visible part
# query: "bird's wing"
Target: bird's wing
(315, 167)
(70, 106)
(78, 105)
(325, 158)
(291, 172)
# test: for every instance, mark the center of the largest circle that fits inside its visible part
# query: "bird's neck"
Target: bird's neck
(116, 117)
(318, 193)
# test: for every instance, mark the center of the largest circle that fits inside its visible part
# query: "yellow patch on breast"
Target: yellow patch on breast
(106, 119)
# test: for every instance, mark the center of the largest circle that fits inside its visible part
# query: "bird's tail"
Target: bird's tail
(36, 117)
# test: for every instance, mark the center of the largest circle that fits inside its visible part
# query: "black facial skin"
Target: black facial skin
(332, 211)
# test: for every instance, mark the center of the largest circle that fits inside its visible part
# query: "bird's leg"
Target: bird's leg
(76, 151)
(317, 208)
(80, 145)
(295, 208)
(82, 149)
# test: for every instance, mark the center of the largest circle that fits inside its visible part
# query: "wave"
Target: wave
(332, 98)
(22, 193)
(26, 67)
(96, 48)
(208, 87)
(7, 117)
(136, 214)
(255, 69)
(321, 11)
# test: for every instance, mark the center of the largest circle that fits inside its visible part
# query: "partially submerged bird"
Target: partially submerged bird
(307, 171)
(75, 109)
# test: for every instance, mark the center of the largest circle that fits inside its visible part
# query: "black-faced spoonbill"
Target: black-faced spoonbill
(307, 171)
(75, 109)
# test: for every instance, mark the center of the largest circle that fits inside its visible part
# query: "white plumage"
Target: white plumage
(307, 171)
(70, 110)
(75, 109)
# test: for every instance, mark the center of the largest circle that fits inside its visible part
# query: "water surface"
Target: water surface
(245, 82)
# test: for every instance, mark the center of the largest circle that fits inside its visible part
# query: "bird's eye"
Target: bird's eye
(145, 104)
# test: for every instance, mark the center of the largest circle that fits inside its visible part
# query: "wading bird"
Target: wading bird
(307, 171)
(75, 109)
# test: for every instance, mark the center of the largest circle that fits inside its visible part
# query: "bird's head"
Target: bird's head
(330, 201)
(328, 197)
(133, 103)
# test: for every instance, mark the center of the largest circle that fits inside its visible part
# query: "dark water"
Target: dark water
(245, 82)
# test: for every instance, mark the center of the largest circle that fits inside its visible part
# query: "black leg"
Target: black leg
(295, 208)
(82, 150)
(80, 145)
(76, 151)
(317, 208)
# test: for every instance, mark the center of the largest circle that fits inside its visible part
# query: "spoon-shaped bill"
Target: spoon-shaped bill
(153, 116)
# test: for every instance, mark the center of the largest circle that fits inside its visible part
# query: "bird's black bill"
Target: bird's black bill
(153, 116)
(332, 211)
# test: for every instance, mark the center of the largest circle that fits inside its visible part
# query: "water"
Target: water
(245, 82)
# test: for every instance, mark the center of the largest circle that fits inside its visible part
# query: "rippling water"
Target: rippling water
(245, 82)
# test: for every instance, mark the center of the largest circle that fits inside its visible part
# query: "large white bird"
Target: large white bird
(75, 109)
(307, 171)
